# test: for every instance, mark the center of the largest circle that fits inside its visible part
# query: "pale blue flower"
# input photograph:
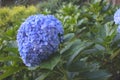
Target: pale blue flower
(118, 29)
(117, 17)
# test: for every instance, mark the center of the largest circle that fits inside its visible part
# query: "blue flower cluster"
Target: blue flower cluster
(39, 37)
(117, 19)
(118, 29)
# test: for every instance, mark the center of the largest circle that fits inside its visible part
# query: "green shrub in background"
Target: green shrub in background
(51, 5)
(4, 19)
(69, 15)
(11, 17)
(89, 51)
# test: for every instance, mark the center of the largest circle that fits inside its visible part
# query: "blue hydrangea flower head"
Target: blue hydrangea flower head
(38, 37)
(118, 29)
(117, 17)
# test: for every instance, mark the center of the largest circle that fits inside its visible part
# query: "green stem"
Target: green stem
(65, 75)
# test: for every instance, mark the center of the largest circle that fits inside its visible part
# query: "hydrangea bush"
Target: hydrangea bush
(39, 37)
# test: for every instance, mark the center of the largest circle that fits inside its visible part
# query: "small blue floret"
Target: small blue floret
(39, 37)
(117, 17)
(118, 29)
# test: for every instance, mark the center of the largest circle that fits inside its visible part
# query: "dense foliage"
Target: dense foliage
(90, 50)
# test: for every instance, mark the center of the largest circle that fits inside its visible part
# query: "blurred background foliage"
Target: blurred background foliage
(90, 51)
(10, 17)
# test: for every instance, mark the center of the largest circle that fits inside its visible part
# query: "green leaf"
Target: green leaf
(115, 41)
(3, 36)
(10, 49)
(77, 53)
(81, 21)
(9, 58)
(67, 47)
(70, 45)
(12, 44)
(97, 75)
(79, 66)
(68, 37)
(51, 63)
(116, 53)
(42, 76)
(70, 48)
(10, 32)
(10, 70)
(99, 47)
